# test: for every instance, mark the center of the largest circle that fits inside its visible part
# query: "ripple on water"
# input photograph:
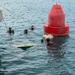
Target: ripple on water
(37, 60)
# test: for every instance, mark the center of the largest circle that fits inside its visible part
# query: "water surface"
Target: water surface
(38, 60)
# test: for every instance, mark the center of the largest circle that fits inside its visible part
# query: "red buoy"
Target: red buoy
(56, 22)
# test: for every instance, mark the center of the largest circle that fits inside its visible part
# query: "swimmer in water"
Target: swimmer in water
(42, 40)
(25, 31)
(32, 27)
(47, 39)
(10, 30)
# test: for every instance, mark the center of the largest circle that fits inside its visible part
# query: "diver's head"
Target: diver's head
(25, 31)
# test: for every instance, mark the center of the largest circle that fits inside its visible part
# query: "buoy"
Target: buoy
(56, 22)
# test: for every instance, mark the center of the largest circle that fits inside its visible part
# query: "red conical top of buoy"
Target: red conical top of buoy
(56, 22)
(56, 17)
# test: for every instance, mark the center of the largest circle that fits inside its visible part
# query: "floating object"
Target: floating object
(24, 46)
(1, 16)
(56, 22)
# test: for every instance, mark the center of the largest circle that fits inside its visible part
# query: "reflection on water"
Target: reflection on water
(56, 49)
(2, 69)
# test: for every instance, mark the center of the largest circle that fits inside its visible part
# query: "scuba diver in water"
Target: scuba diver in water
(48, 40)
(32, 27)
(25, 31)
(10, 30)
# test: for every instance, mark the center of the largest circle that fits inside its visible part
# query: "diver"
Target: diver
(42, 40)
(10, 30)
(47, 41)
(32, 27)
(25, 31)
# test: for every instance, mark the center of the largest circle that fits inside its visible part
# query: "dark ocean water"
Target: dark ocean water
(37, 60)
